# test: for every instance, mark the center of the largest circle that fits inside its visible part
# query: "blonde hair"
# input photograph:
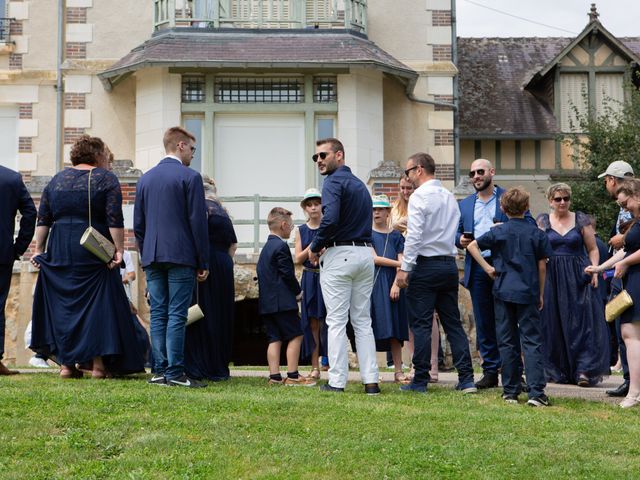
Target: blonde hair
(210, 189)
(278, 215)
(175, 135)
(558, 187)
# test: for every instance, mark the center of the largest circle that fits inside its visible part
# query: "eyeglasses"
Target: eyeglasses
(561, 199)
(406, 172)
(479, 171)
(322, 156)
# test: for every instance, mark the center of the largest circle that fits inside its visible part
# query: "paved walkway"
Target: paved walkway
(448, 380)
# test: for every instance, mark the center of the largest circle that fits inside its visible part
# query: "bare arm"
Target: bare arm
(117, 234)
(589, 236)
(384, 261)
(619, 255)
(300, 255)
(42, 233)
(232, 250)
(542, 275)
(474, 250)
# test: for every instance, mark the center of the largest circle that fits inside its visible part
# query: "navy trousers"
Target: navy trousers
(433, 284)
(520, 323)
(5, 283)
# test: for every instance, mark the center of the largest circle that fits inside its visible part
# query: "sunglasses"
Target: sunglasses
(193, 149)
(322, 156)
(406, 172)
(479, 171)
(561, 199)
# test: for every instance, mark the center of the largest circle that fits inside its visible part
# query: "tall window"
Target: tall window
(325, 128)
(9, 136)
(194, 126)
(573, 99)
(609, 92)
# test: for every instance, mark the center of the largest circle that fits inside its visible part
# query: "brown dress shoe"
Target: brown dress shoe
(5, 371)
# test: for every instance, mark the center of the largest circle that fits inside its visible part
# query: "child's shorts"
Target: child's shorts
(282, 326)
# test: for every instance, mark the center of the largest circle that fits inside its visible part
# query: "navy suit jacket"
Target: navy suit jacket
(14, 197)
(467, 208)
(276, 278)
(170, 216)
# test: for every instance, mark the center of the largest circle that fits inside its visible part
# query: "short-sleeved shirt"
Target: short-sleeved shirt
(516, 247)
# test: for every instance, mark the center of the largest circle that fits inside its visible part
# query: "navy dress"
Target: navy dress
(631, 281)
(575, 335)
(208, 341)
(388, 318)
(312, 305)
(80, 309)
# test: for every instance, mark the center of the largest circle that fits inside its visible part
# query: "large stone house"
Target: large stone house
(257, 82)
(518, 96)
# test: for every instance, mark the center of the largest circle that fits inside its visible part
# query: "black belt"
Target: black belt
(350, 244)
(447, 258)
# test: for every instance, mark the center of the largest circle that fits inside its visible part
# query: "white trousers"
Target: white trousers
(346, 278)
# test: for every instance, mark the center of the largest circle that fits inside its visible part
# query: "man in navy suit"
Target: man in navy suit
(170, 224)
(14, 197)
(478, 213)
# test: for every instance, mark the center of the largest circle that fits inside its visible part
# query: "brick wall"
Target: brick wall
(390, 189)
(441, 18)
(443, 137)
(445, 99)
(76, 50)
(15, 61)
(76, 15)
(445, 172)
(442, 53)
(75, 100)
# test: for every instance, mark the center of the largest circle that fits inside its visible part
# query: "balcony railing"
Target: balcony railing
(5, 30)
(348, 14)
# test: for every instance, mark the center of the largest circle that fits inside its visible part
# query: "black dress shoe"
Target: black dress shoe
(328, 388)
(621, 391)
(488, 380)
(372, 389)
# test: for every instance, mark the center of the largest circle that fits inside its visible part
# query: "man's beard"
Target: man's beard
(484, 185)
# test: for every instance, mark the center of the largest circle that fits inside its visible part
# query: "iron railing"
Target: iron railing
(349, 14)
(5, 30)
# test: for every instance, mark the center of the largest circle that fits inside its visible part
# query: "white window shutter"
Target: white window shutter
(573, 96)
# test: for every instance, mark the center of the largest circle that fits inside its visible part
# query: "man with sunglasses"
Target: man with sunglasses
(429, 271)
(170, 225)
(478, 213)
(615, 174)
(343, 248)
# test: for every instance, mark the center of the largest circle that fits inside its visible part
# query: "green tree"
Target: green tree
(612, 135)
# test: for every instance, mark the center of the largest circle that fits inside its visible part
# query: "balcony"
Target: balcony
(261, 14)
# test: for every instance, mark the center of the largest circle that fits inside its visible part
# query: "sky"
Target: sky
(569, 17)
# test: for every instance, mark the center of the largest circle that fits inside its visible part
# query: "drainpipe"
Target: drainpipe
(456, 99)
(60, 87)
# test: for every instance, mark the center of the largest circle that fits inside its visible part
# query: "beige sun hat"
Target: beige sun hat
(618, 169)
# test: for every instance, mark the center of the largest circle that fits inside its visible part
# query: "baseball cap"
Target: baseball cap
(619, 169)
(381, 201)
(309, 194)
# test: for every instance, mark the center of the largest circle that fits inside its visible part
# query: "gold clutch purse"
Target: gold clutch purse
(94, 241)
(617, 305)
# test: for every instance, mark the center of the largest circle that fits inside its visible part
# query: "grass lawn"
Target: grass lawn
(51, 428)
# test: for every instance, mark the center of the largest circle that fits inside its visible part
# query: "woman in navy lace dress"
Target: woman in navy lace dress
(208, 342)
(576, 341)
(80, 310)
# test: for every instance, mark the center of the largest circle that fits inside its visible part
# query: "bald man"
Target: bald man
(478, 213)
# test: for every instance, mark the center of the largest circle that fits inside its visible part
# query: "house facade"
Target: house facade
(519, 97)
(256, 81)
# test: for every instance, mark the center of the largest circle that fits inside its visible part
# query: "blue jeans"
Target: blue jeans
(520, 323)
(433, 285)
(170, 290)
(5, 284)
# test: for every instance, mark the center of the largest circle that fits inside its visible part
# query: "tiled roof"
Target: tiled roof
(257, 48)
(493, 74)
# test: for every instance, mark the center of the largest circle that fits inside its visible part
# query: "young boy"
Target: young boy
(519, 251)
(278, 300)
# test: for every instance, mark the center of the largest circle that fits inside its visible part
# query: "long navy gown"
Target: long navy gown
(388, 318)
(312, 305)
(575, 335)
(208, 341)
(80, 309)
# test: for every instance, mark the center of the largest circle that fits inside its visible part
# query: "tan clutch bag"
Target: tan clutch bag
(94, 241)
(617, 305)
(195, 313)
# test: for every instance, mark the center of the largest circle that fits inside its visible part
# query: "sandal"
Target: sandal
(99, 374)
(67, 371)
(434, 377)
(399, 377)
(315, 373)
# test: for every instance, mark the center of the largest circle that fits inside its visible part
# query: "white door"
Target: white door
(9, 136)
(261, 154)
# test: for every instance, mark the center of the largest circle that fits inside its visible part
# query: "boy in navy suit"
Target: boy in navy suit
(278, 300)
(519, 251)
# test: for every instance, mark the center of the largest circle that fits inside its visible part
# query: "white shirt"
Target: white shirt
(432, 224)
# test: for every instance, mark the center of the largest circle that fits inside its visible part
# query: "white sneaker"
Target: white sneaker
(38, 362)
